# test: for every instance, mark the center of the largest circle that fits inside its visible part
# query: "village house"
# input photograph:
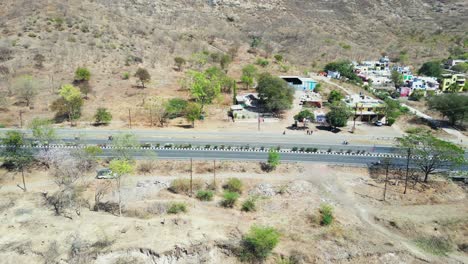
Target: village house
(300, 83)
(247, 100)
(448, 79)
(365, 108)
(311, 99)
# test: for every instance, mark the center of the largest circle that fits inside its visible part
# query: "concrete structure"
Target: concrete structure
(424, 83)
(448, 79)
(300, 83)
(364, 107)
(311, 99)
(248, 100)
(450, 63)
(333, 74)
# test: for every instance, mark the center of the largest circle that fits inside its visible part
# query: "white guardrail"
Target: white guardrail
(226, 149)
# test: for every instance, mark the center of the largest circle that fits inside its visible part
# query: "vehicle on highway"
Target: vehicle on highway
(105, 174)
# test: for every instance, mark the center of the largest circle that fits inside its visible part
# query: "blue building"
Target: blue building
(300, 83)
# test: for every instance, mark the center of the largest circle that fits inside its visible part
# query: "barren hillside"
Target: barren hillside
(115, 36)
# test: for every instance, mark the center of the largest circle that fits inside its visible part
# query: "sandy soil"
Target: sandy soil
(366, 230)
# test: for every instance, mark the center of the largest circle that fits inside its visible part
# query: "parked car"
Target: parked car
(105, 174)
(378, 123)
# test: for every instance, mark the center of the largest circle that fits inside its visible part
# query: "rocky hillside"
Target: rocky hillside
(111, 33)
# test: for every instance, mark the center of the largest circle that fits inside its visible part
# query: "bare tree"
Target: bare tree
(26, 88)
(102, 188)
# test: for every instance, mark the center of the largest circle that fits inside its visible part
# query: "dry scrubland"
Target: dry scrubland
(114, 37)
(365, 229)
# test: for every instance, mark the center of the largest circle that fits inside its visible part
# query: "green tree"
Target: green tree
(338, 115)
(82, 74)
(278, 57)
(397, 79)
(416, 95)
(72, 102)
(305, 114)
(224, 61)
(430, 153)
(175, 107)
(143, 76)
(121, 168)
(431, 68)
(15, 157)
(258, 244)
(42, 130)
(391, 110)
(274, 93)
(193, 112)
(452, 106)
(102, 116)
(273, 159)
(204, 87)
(26, 88)
(345, 68)
(179, 62)
(249, 73)
(335, 96)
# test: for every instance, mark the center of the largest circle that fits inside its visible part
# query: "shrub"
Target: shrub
(434, 245)
(126, 75)
(147, 166)
(258, 243)
(229, 199)
(326, 212)
(249, 205)
(278, 57)
(262, 62)
(273, 159)
(183, 185)
(205, 195)
(102, 116)
(176, 208)
(234, 185)
(82, 74)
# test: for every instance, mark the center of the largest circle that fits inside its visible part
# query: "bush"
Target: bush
(434, 245)
(249, 205)
(82, 74)
(147, 166)
(205, 195)
(234, 185)
(176, 208)
(278, 57)
(183, 185)
(229, 199)
(273, 159)
(326, 212)
(262, 62)
(258, 243)
(102, 116)
(126, 75)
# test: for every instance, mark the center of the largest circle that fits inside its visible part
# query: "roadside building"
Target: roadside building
(424, 83)
(365, 108)
(311, 99)
(247, 100)
(450, 63)
(300, 83)
(320, 117)
(333, 74)
(448, 79)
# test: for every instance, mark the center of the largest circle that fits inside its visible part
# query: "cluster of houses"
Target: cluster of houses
(379, 73)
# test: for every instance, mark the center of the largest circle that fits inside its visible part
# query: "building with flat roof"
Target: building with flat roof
(300, 83)
(365, 108)
(447, 80)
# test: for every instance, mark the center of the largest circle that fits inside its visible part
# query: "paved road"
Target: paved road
(261, 139)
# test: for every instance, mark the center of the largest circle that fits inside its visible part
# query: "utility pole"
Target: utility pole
(407, 169)
(21, 118)
(258, 119)
(355, 116)
(129, 118)
(387, 164)
(214, 173)
(191, 177)
(151, 117)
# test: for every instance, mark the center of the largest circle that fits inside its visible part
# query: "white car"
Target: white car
(105, 174)
(378, 123)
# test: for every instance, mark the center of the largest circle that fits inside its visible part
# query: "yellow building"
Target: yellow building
(448, 79)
